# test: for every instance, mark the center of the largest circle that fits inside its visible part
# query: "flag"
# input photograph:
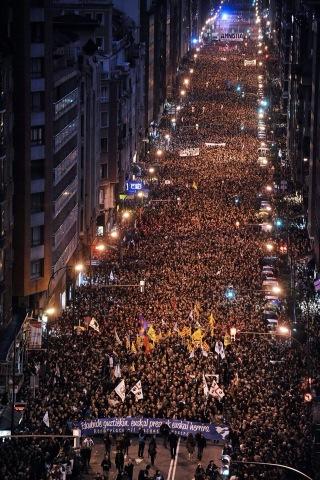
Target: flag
(57, 370)
(133, 348)
(175, 327)
(211, 320)
(216, 391)
(146, 344)
(185, 332)
(127, 342)
(191, 354)
(227, 340)
(111, 276)
(152, 333)
(121, 390)
(117, 371)
(94, 324)
(205, 386)
(197, 335)
(219, 349)
(46, 419)
(204, 353)
(190, 317)
(194, 185)
(137, 391)
(118, 341)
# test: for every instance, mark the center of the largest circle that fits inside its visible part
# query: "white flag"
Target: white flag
(117, 371)
(137, 391)
(204, 353)
(94, 324)
(111, 276)
(121, 390)
(216, 391)
(46, 419)
(118, 341)
(191, 354)
(175, 327)
(190, 317)
(219, 349)
(205, 386)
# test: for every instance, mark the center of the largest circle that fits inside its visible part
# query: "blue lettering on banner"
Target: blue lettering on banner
(151, 425)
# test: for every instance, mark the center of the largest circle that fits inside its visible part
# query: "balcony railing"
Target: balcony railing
(66, 226)
(63, 168)
(65, 103)
(65, 196)
(64, 136)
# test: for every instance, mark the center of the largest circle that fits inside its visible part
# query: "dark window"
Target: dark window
(37, 169)
(104, 171)
(37, 101)
(104, 119)
(37, 135)
(37, 32)
(36, 236)
(36, 269)
(104, 145)
(36, 67)
(99, 42)
(99, 18)
(37, 202)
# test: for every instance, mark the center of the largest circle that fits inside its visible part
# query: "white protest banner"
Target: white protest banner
(250, 63)
(121, 390)
(231, 37)
(137, 391)
(207, 144)
(189, 152)
(215, 391)
(35, 335)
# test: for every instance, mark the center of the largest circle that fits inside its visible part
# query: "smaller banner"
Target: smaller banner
(207, 144)
(231, 37)
(35, 336)
(250, 63)
(189, 152)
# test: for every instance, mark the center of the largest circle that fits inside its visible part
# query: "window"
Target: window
(37, 32)
(104, 171)
(36, 67)
(99, 18)
(37, 135)
(37, 202)
(37, 169)
(104, 145)
(37, 103)
(104, 119)
(36, 236)
(104, 94)
(100, 43)
(36, 269)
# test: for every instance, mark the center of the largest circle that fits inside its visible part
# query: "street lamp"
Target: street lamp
(269, 247)
(182, 93)
(114, 233)
(126, 215)
(159, 152)
(151, 170)
(186, 82)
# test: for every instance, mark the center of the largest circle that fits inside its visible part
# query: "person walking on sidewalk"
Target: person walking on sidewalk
(152, 450)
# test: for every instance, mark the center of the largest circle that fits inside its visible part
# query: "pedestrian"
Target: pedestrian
(152, 450)
(200, 473)
(190, 444)
(107, 440)
(128, 468)
(201, 444)
(141, 442)
(158, 475)
(126, 443)
(212, 471)
(119, 460)
(145, 473)
(173, 441)
(165, 430)
(106, 466)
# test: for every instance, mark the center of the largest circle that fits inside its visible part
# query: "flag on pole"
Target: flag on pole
(216, 391)
(205, 386)
(191, 354)
(190, 317)
(133, 348)
(227, 340)
(117, 371)
(111, 276)
(121, 390)
(94, 324)
(137, 391)
(152, 333)
(118, 341)
(197, 335)
(185, 332)
(219, 349)
(128, 342)
(46, 419)
(211, 320)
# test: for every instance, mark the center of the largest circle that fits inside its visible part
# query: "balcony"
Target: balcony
(65, 196)
(65, 166)
(65, 103)
(64, 136)
(65, 226)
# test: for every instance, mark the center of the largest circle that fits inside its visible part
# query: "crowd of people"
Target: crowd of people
(194, 237)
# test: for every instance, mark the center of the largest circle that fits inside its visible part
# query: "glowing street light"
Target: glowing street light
(79, 267)
(173, 120)
(269, 247)
(140, 194)
(159, 152)
(126, 215)
(167, 137)
(276, 290)
(191, 70)
(50, 311)
(283, 330)
(182, 93)
(186, 81)
(114, 233)
(152, 170)
(100, 247)
(269, 188)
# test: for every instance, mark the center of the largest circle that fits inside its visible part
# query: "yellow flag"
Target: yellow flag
(152, 333)
(189, 347)
(185, 332)
(205, 346)
(211, 320)
(197, 335)
(139, 341)
(127, 343)
(227, 340)
(133, 348)
(194, 186)
(212, 331)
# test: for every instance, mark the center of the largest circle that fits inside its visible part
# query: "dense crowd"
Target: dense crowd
(189, 246)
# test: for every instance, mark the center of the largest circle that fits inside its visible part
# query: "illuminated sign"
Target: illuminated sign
(133, 187)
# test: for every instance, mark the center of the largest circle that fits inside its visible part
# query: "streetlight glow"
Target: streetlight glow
(159, 152)
(50, 311)
(182, 92)
(126, 215)
(100, 247)
(114, 234)
(269, 247)
(79, 267)
(283, 330)
(152, 170)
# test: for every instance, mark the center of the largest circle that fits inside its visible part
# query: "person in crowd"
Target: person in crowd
(152, 450)
(141, 443)
(119, 460)
(173, 442)
(106, 466)
(190, 444)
